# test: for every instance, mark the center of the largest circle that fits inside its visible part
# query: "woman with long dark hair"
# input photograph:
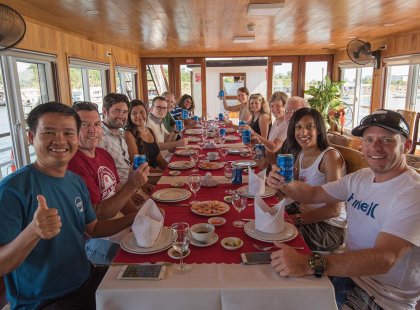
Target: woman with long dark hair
(321, 225)
(140, 139)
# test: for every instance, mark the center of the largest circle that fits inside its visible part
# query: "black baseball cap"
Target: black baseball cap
(387, 119)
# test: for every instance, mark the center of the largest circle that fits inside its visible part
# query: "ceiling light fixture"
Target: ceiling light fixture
(265, 9)
(248, 39)
(92, 12)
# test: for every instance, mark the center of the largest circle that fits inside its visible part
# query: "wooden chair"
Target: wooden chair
(415, 134)
(413, 161)
(345, 140)
(353, 158)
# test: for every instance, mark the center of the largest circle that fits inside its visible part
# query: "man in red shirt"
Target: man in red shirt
(97, 168)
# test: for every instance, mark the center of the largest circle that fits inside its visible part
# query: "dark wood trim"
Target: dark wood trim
(237, 63)
(221, 75)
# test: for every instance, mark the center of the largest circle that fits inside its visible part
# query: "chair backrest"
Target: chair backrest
(415, 134)
(410, 117)
(353, 158)
(413, 161)
(338, 139)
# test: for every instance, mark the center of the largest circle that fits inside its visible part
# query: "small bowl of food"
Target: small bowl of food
(202, 232)
(174, 172)
(217, 221)
(232, 243)
(177, 184)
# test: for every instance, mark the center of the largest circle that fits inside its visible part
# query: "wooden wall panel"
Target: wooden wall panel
(49, 39)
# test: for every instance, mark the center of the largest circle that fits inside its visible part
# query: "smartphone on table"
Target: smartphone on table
(256, 258)
(142, 272)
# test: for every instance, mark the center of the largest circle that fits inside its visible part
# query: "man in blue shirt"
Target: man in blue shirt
(44, 212)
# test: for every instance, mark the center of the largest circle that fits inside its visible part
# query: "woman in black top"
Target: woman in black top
(261, 119)
(140, 139)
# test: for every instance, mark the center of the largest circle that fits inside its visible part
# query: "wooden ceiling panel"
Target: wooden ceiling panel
(207, 27)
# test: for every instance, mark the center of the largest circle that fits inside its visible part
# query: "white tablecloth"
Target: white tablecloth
(216, 286)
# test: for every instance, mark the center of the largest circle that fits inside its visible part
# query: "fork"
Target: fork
(268, 248)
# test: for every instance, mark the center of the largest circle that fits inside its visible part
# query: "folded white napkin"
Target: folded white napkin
(207, 180)
(256, 182)
(268, 220)
(148, 224)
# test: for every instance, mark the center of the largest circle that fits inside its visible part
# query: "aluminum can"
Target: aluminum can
(242, 123)
(222, 132)
(246, 136)
(285, 163)
(259, 150)
(179, 125)
(196, 118)
(184, 114)
(221, 93)
(237, 176)
(138, 160)
(221, 117)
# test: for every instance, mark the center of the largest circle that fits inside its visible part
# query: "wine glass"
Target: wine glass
(194, 157)
(223, 152)
(194, 181)
(239, 203)
(180, 237)
(222, 140)
(228, 172)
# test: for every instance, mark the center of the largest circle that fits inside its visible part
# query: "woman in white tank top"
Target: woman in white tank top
(321, 225)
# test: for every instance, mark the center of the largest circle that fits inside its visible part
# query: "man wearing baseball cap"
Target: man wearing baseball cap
(380, 267)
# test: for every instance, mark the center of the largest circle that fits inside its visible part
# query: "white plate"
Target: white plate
(193, 139)
(171, 194)
(129, 243)
(181, 165)
(234, 150)
(226, 243)
(230, 130)
(289, 233)
(217, 158)
(175, 255)
(204, 205)
(244, 163)
(185, 152)
(174, 172)
(243, 191)
(231, 138)
(193, 131)
(213, 240)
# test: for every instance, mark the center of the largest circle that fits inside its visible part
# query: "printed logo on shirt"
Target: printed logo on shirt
(107, 182)
(366, 207)
(79, 204)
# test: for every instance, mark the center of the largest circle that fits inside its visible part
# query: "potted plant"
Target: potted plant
(325, 97)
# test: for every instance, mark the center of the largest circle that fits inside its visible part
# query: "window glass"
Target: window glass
(314, 71)
(125, 83)
(95, 87)
(186, 79)
(76, 82)
(365, 93)
(396, 91)
(282, 77)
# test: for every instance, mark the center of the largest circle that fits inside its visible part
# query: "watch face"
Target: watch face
(317, 263)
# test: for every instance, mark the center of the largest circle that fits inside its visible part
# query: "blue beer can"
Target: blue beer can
(246, 136)
(179, 125)
(221, 93)
(237, 176)
(259, 150)
(184, 114)
(196, 118)
(138, 160)
(285, 163)
(242, 123)
(222, 132)
(221, 117)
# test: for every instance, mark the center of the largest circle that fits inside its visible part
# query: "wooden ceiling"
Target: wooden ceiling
(207, 27)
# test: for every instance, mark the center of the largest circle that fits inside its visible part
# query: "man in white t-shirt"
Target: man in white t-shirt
(380, 268)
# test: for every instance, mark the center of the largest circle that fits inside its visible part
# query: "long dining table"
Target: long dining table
(217, 279)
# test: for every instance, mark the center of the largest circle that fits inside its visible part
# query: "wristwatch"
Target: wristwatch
(317, 263)
(299, 220)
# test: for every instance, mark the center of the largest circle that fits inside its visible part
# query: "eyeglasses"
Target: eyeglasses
(389, 119)
(160, 108)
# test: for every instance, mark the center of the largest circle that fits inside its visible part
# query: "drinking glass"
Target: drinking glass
(229, 176)
(194, 181)
(222, 140)
(180, 237)
(239, 203)
(223, 152)
(194, 156)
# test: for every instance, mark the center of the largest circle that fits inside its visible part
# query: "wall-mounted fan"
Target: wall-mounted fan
(361, 53)
(12, 27)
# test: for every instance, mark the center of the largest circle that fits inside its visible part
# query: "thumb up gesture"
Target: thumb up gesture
(47, 222)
